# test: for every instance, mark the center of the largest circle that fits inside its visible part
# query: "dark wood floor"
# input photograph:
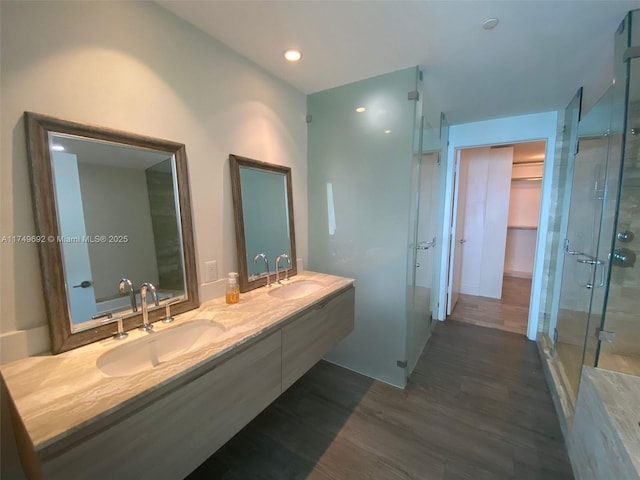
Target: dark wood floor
(509, 313)
(476, 407)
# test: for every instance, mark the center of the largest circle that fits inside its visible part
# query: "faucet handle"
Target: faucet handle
(167, 312)
(121, 333)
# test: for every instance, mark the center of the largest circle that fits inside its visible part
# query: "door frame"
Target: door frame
(524, 128)
(455, 212)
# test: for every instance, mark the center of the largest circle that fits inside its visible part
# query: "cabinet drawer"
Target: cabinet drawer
(308, 338)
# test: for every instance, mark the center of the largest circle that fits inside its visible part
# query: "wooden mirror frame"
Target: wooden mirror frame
(38, 128)
(235, 162)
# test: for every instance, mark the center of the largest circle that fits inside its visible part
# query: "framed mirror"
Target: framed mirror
(263, 207)
(108, 205)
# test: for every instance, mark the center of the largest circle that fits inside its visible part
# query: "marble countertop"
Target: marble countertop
(59, 398)
(620, 394)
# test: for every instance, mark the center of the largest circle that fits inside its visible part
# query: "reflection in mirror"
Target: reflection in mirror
(264, 219)
(114, 211)
(118, 217)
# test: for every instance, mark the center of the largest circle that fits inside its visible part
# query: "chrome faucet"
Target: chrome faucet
(266, 263)
(124, 283)
(147, 287)
(286, 271)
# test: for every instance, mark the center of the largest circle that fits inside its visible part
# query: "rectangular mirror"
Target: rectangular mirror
(109, 205)
(263, 207)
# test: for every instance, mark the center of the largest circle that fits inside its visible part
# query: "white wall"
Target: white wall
(136, 67)
(537, 126)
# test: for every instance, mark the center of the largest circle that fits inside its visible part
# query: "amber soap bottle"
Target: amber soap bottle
(233, 291)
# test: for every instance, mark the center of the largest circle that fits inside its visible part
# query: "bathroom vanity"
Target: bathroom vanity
(81, 414)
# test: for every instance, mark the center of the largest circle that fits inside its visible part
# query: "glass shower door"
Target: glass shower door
(583, 273)
(619, 318)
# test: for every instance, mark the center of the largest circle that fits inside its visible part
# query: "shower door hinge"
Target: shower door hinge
(631, 52)
(605, 336)
(308, 118)
(555, 336)
(401, 363)
(413, 95)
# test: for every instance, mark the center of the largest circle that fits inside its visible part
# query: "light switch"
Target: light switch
(210, 271)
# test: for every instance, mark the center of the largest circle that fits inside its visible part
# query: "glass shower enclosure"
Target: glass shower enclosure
(364, 144)
(594, 312)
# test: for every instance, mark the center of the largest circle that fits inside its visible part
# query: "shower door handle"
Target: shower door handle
(425, 245)
(572, 253)
(595, 262)
(589, 261)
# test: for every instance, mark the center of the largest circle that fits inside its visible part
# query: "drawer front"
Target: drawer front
(307, 339)
(172, 436)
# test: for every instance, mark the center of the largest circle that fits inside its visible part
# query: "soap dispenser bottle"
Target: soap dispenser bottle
(233, 291)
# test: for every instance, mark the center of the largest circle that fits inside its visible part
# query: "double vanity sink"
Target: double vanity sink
(153, 350)
(156, 405)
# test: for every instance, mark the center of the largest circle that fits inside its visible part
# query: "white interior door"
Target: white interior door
(480, 222)
(457, 236)
(496, 219)
(75, 250)
(486, 211)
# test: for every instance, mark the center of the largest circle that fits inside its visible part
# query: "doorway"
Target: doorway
(496, 205)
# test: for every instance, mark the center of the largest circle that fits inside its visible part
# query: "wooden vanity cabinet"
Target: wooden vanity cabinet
(170, 436)
(307, 339)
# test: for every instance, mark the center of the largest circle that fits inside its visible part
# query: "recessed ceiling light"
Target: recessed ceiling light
(387, 131)
(293, 55)
(490, 23)
(57, 148)
(361, 109)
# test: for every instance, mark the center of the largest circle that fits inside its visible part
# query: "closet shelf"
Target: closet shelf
(519, 164)
(523, 227)
(526, 179)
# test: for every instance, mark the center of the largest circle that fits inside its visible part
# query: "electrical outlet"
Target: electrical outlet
(210, 271)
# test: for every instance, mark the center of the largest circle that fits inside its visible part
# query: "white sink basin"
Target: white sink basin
(158, 348)
(294, 290)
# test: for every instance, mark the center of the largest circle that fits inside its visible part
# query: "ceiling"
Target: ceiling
(533, 61)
